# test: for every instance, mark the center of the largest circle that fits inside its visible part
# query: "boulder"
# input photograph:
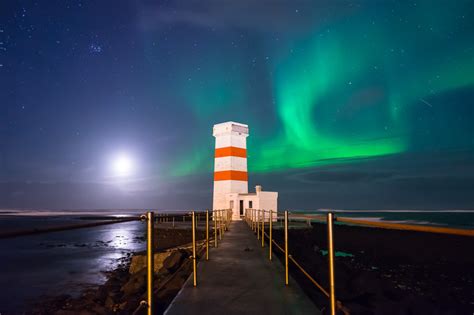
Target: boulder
(65, 312)
(139, 262)
(109, 303)
(99, 310)
(101, 294)
(173, 261)
(135, 284)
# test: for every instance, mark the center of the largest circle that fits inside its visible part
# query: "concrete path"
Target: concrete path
(239, 281)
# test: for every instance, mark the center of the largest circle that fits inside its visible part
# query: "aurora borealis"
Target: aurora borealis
(365, 98)
(344, 89)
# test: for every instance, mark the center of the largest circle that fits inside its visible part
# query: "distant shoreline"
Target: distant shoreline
(34, 231)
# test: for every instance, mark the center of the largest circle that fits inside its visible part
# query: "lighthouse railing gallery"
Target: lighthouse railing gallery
(220, 222)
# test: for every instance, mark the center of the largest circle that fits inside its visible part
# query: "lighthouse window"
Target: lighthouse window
(250, 204)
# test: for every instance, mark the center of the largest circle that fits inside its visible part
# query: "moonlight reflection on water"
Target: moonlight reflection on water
(61, 262)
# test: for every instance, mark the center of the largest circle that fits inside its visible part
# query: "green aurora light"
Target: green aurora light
(341, 92)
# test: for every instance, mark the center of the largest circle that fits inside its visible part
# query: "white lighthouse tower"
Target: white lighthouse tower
(230, 163)
(230, 172)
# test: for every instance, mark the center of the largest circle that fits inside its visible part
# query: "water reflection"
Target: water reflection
(62, 262)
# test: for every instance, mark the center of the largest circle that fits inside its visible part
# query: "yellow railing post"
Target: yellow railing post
(207, 234)
(286, 247)
(270, 226)
(194, 249)
(254, 220)
(258, 224)
(214, 217)
(149, 217)
(251, 219)
(225, 215)
(220, 224)
(263, 228)
(332, 294)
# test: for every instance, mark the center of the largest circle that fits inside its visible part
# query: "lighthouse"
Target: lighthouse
(230, 173)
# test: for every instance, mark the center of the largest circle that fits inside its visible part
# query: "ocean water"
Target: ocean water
(462, 219)
(62, 262)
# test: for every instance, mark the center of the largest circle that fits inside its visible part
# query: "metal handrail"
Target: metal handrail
(149, 218)
(256, 219)
(194, 250)
(221, 222)
(334, 304)
(390, 225)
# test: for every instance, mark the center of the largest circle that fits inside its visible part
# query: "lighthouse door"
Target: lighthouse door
(241, 207)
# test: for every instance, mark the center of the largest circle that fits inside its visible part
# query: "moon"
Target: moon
(122, 165)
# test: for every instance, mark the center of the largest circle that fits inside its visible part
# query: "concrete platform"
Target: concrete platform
(240, 281)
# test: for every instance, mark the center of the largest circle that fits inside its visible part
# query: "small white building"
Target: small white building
(230, 173)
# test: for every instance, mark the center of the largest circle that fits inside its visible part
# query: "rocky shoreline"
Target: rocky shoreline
(126, 285)
(380, 271)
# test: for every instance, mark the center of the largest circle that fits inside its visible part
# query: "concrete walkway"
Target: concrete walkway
(239, 281)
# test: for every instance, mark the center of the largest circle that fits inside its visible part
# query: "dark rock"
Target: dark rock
(173, 261)
(109, 303)
(135, 284)
(365, 282)
(101, 294)
(358, 309)
(66, 312)
(99, 310)
(138, 262)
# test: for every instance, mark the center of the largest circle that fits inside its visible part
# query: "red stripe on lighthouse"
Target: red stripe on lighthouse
(230, 151)
(231, 175)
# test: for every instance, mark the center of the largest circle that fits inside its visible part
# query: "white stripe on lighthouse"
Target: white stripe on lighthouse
(230, 163)
(223, 141)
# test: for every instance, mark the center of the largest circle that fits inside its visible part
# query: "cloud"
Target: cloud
(244, 14)
(404, 181)
(345, 175)
(193, 192)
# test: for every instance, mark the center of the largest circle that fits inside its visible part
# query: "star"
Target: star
(95, 49)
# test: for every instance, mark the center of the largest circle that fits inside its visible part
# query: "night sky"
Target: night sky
(350, 104)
